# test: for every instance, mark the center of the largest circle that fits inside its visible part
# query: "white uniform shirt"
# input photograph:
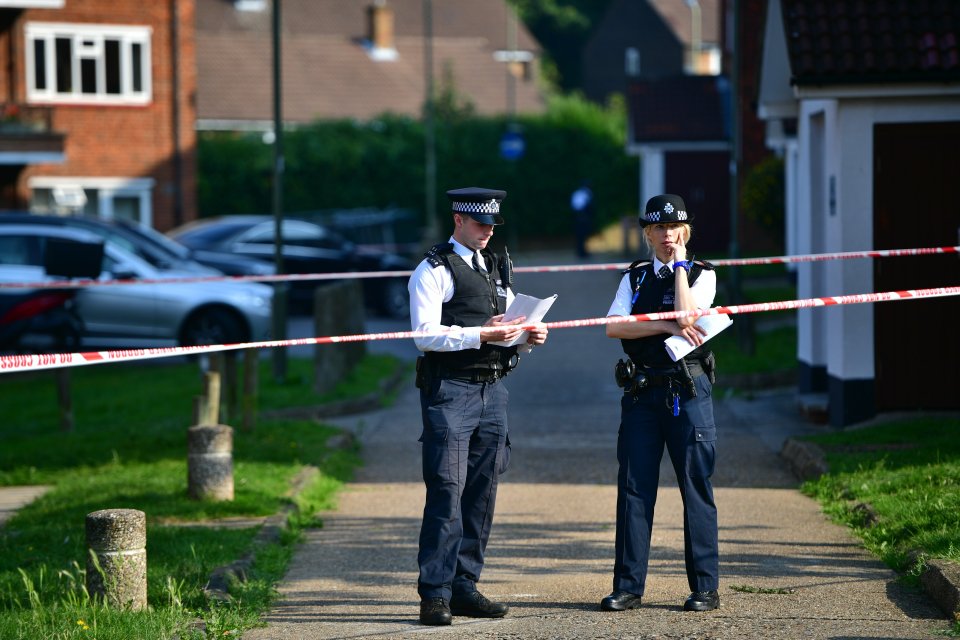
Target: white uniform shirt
(429, 288)
(704, 290)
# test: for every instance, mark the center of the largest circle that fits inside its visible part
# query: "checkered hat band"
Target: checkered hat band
(654, 216)
(490, 206)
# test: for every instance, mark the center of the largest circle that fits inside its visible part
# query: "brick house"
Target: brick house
(98, 108)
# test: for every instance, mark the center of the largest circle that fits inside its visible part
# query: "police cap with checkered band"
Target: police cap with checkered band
(665, 208)
(483, 205)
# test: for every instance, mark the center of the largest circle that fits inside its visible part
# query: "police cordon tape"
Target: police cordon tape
(33, 362)
(345, 275)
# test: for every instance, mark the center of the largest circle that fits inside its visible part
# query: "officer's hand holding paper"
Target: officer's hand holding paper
(677, 346)
(533, 309)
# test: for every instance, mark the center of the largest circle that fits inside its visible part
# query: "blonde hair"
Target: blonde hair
(685, 229)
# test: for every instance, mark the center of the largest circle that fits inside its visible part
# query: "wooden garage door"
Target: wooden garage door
(917, 204)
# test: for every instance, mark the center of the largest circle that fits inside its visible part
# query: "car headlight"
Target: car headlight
(254, 300)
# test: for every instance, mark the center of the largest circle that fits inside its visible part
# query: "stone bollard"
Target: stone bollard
(337, 310)
(210, 462)
(117, 563)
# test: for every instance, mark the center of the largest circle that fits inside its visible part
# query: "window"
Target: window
(110, 198)
(90, 64)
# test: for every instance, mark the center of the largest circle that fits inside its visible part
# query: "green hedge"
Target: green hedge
(347, 164)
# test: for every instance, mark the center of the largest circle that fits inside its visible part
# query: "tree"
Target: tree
(562, 27)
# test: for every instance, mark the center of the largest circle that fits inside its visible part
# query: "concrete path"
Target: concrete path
(551, 552)
(12, 498)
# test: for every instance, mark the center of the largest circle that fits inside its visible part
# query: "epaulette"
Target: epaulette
(704, 264)
(435, 255)
(636, 263)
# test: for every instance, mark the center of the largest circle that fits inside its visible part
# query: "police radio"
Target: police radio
(506, 269)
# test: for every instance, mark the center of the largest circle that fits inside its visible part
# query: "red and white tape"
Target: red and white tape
(731, 262)
(343, 275)
(33, 362)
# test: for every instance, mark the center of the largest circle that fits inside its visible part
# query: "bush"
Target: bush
(762, 200)
(347, 164)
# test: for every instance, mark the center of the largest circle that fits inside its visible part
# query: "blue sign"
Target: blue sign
(512, 146)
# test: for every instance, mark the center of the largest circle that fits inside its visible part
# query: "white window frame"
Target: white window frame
(107, 189)
(32, 4)
(96, 35)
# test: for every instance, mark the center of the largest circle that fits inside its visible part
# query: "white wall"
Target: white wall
(814, 133)
(842, 337)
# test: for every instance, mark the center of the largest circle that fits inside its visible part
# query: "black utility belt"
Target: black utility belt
(472, 375)
(634, 379)
(663, 376)
(426, 372)
(627, 373)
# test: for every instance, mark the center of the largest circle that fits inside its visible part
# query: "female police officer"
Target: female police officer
(664, 403)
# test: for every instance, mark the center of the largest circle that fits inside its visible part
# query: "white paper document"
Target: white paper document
(677, 346)
(534, 309)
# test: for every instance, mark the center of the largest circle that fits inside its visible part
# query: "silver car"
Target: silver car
(140, 315)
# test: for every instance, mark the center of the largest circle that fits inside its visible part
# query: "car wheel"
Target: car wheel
(394, 299)
(213, 326)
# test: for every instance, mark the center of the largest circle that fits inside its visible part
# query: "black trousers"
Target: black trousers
(647, 425)
(465, 449)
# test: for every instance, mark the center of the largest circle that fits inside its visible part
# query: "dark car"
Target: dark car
(307, 248)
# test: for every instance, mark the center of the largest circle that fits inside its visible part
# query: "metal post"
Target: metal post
(512, 105)
(175, 113)
(511, 79)
(280, 288)
(432, 224)
(744, 328)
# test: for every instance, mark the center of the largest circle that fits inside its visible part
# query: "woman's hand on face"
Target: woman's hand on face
(679, 249)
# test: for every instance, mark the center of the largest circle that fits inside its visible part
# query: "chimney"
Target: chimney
(380, 26)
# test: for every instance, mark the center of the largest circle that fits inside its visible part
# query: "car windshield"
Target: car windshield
(204, 235)
(157, 239)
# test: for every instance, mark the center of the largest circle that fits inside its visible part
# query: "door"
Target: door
(702, 179)
(916, 201)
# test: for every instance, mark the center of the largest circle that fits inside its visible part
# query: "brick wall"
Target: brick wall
(127, 141)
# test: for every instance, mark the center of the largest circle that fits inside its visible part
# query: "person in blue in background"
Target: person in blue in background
(460, 291)
(664, 403)
(581, 202)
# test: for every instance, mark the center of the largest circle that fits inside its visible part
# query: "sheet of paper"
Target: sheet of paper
(534, 309)
(677, 346)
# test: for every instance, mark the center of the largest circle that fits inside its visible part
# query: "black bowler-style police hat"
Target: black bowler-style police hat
(665, 208)
(483, 205)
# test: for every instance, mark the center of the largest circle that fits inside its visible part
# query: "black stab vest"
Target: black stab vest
(649, 351)
(476, 298)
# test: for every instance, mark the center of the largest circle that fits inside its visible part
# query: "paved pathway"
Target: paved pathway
(12, 498)
(551, 552)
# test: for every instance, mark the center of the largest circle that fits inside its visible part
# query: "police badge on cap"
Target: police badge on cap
(483, 205)
(665, 208)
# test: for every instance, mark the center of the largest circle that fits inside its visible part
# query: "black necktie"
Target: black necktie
(476, 263)
(664, 272)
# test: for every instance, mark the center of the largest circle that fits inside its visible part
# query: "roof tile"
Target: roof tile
(856, 41)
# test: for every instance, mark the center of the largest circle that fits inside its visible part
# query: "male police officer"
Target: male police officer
(459, 294)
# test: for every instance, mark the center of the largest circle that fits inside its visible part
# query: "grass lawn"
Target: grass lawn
(128, 450)
(908, 472)
(897, 486)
